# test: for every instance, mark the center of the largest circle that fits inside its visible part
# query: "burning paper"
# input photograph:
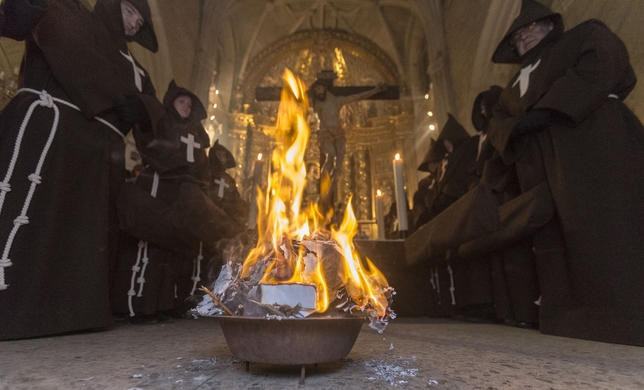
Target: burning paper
(298, 265)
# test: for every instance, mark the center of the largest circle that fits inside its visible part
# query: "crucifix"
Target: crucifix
(191, 145)
(327, 100)
(222, 187)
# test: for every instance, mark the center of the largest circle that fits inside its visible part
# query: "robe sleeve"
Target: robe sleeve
(19, 17)
(599, 71)
(500, 132)
(77, 58)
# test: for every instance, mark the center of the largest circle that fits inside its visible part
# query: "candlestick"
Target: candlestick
(380, 215)
(401, 200)
(257, 182)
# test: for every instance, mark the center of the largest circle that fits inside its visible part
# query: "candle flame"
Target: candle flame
(397, 156)
(378, 193)
(259, 157)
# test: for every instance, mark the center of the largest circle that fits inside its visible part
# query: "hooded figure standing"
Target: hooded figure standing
(224, 188)
(424, 196)
(62, 157)
(562, 121)
(168, 214)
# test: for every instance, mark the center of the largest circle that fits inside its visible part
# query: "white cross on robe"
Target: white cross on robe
(191, 146)
(524, 78)
(222, 186)
(138, 72)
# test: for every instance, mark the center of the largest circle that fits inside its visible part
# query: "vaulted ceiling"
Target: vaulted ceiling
(441, 48)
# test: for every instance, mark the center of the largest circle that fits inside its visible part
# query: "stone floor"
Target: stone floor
(411, 354)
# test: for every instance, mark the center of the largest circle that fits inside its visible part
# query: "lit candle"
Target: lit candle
(401, 201)
(257, 182)
(380, 215)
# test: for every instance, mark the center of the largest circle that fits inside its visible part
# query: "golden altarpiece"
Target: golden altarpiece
(375, 129)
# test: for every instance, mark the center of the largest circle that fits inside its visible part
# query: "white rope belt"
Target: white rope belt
(196, 269)
(143, 250)
(46, 100)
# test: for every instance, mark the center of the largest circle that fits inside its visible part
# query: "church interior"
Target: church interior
(437, 55)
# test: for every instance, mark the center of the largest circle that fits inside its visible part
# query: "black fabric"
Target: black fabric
(453, 132)
(110, 11)
(590, 257)
(535, 121)
(435, 153)
(131, 110)
(19, 17)
(487, 99)
(531, 11)
(62, 259)
(216, 164)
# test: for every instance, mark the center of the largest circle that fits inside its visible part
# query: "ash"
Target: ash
(242, 294)
(391, 373)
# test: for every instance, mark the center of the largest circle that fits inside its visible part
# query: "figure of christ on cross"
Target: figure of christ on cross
(331, 137)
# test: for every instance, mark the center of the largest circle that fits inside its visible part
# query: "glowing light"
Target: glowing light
(397, 156)
(282, 220)
(429, 113)
(212, 118)
(214, 105)
(426, 96)
(216, 92)
(378, 193)
(432, 127)
(259, 157)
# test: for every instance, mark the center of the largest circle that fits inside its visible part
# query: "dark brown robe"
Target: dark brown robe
(59, 277)
(174, 151)
(590, 257)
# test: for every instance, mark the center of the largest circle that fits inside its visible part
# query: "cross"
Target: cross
(138, 72)
(267, 94)
(191, 146)
(222, 186)
(524, 78)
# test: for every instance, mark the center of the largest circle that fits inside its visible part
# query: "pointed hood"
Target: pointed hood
(531, 11)
(453, 132)
(174, 91)
(216, 165)
(109, 12)
(435, 153)
(488, 99)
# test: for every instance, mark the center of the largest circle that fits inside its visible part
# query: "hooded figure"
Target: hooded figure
(453, 178)
(223, 187)
(168, 214)
(424, 196)
(18, 17)
(481, 114)
(63, 168)
(562, 123)
(176, 149)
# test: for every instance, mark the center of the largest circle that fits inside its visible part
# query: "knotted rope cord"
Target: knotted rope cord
(143, 250)
(46, 100)
(135, 268)
(451, 283)
(196, 269)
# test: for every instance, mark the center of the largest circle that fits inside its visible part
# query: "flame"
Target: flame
(281, 221)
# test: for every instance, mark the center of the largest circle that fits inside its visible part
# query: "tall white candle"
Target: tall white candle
(257, 182)
(401, 200)
(380, 215)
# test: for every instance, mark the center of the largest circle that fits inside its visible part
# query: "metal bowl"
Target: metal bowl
(290, 341)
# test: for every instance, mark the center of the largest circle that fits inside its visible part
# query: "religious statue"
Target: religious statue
(331, 137)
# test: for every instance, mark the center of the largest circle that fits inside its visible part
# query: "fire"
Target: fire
(285, 230)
